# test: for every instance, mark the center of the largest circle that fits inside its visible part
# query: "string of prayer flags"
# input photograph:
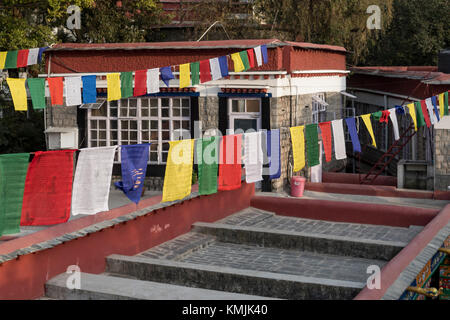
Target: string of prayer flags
(126, 85)
(152, 81)
(339, 139)
(178, 175)
(89, 89)
(185, 75)
(368, 123)
(166, 75)
(423, 107)
(351, 125)
(237, 61)
(216, 74)
(113, 86)
(140, 83)
(419, 113)
(431, 114)
(3, 59)
(205, 72)
(244, 58)
(312, 144)
(393, 117)
(223, 62)
(230, 173)
(18, 93)
(37, 92)
(253, 161)
(48, 188)
(298, 147)
(73, 91)
(134, 168)
(195, 73)
(325, 129)
(93, 180)
(274, 153)
(11, 59)
(56, 88)
(13, 171)
(208, 165)
(436, 111)
(22, 58)
(412, 112)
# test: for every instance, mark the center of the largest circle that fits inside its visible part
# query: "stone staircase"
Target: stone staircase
(249, 255)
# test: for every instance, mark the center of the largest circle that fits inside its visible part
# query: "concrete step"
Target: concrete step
(304, 241)
(103, 287)
(244, 281)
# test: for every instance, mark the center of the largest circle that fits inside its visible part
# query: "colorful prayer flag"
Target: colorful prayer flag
(368, 123)
(230, 173)
(152, 81)
(195, 73)
(140, 83)
(73, 91)
(185, 75)
(431, 114)
(22, 58)
(56, 88)
(265, 56)
(253, 160)
(446, 103)
(412, 112)
(223, 61)
(274, 153)
(251, 58)
(419, 114)
(33, 55)
(258, 56)
(13, 171)
(92, 180)
(339, 139)
(48, 188)
(238, 64)
(312, 145)
(18, 93)
(353, 134)
(89, 89)
(205, 72)
(126, 84)
(11, 59)
(244, 58)
(3, 59)
(424, 109)
(178, 176)
(208, 164)
(216, 74)
(166, 75)
(436, 111)
(393, 117)
(298, 147)
(41, 52)
(113, 86)
(134, 168)
(325, 128)
(37, 92)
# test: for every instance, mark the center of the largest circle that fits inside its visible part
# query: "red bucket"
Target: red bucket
(297, 186)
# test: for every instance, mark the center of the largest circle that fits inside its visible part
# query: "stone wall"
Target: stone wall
(208, 108)
(60, 116)
(442, 160)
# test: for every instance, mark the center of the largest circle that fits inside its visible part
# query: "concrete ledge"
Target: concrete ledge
(354, 178)
(320, 243)
(233, 280)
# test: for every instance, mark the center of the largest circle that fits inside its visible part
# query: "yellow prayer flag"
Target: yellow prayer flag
(3, 59)
(298, 147)
(18, 93)
(185, 75)
(368, 123)
(178, 176)
(238, 64)
(113, 84)
(412, 113)
(441, 105)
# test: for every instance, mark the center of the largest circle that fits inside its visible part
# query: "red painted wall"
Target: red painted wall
(24, 278)
(351, 178)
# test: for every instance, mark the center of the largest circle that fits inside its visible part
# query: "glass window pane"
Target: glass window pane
(102, 112)
(113, 104)
(144, 112)
(165, 124)
(93, 124)
(102, 124)
(144, 125)
(145, 136)
(93, 144)
(186, 112)
(133, 135)
(165, 147)
(113, 124)
(124, 124)
(154, 124)
(164, 157)
(102, 135)
(124, 135)
(166, 135)
(176, 103)
(176, 125)
(93, 134)
(165, 112)
(253, 106)
(185, 103)
(132, 103)
(102, 144)
(133, 125)
(124, 112)
(144, 103)
(113, 113)
(154, 156)
(165, 102)
(113, 135)
(154, 147)
(185, 125)
(132, 113)
(154, 103)
(154, 135)
(176, 112)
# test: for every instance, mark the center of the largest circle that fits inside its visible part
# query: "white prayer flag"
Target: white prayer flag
(33, 56)
(92, 180)
(215, 69)
(431, 113)
(258, 55)
(339, 139)
(152, 80)
(393, 117)
(253, 159)
(73, 91)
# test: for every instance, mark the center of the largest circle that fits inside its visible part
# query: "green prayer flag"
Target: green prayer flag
(126, 84)
(312, 144)
(195, 73)
(244, 58)
(13, 171)
(419, 115)
(377, 116)
(37, 92)
(446, 104)
(11, 59)
(208, 159)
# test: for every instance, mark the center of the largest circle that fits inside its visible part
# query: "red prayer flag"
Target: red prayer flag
(230, 162)
(48, 188)
(205, 71)
(425, 113)
(56, 87)
(22, 58)
(251, 58)
(325, 128)
(140, 83)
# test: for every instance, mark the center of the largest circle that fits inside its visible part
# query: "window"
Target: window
(140, 120)
(244, 114)
(319, 108)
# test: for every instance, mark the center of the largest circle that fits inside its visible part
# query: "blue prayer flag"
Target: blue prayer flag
(89, 89)
(353, 134)
(223, 62)
(41, 51)
(134, 168)
(166, 74)
(264, 53)
(434, 101)
(273, 143)
(399, 110)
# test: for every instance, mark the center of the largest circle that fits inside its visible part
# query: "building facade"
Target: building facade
(302, 83)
